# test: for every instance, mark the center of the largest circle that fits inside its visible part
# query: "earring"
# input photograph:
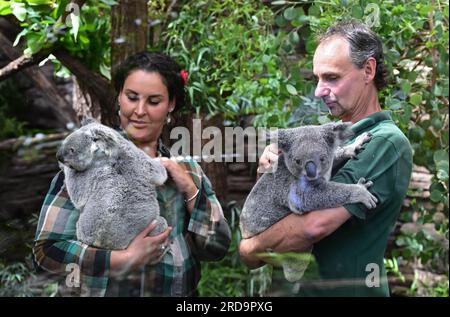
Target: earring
(118, 112)
(168, 118)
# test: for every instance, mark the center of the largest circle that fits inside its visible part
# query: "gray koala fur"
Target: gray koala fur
(300, 181)
(112, 183)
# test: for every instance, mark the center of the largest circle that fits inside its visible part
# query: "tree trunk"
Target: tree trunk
(129, 31)
(63, 111)
(215, 171)
(99, 89)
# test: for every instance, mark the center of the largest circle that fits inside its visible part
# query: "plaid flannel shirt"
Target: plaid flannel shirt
(203, 235)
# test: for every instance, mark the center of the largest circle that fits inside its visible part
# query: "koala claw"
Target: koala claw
(362, 181)
(369, 200)
(350, 151)
(360, 141)
(363, 138)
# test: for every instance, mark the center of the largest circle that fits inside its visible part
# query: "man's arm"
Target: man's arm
(294, 233)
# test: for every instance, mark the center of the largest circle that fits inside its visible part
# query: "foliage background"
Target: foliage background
(254, 58)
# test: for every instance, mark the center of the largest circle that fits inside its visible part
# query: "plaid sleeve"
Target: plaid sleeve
(210, 230)
(56, 249)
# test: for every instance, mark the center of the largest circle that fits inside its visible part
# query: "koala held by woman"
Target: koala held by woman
(112, 183)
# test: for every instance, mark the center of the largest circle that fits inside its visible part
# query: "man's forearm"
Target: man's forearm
(294, 233)
(285, 236)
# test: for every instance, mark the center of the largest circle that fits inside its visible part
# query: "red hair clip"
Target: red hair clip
(185, 74)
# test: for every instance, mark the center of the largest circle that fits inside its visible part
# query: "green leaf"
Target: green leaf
(357, 12)
(290, 14)
(5, 8)
(109, 2)
(415, 99)
(281, 21)
(84, 39)
(436, 196)
(395, 104)
(406, 87)
(437, 123)
(425, 10)
(442, 175)
(294, 38)
(314, 11)
(75, 21)
(437, 90)
(105, 71)
(442, 165)
(27, 52)
(440, 156)
(417, 133)
(311, 46)
(62, 4)
(323, 119)
(291, 89)
(35, 42)
(287, 47)
(39, 2)
(48, 58)
(19, 11)
(22, 33)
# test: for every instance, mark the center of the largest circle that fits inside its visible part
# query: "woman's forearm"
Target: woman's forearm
(119, 263)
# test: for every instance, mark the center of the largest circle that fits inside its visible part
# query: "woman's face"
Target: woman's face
(144, 105)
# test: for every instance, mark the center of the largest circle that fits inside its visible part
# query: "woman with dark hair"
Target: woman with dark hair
(150, 87)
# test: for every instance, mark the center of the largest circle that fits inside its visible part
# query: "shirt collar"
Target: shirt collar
(371, 120)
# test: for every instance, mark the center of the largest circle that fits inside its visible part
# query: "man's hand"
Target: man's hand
(247, 253)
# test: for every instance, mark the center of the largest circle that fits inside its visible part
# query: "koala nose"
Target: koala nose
(311, 169)
(59, 156)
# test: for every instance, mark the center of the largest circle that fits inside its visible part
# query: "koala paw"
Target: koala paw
(362, 181)
(363, 138)
(353, 149)
(364, 196)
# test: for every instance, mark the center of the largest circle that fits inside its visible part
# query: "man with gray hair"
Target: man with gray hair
(348, 242)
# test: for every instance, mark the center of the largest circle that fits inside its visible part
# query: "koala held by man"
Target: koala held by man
(112, 183)
(301, 180)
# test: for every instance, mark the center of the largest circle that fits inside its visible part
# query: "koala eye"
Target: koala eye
(71, 150)
(298, 161)
(323, 158)
(95, 139)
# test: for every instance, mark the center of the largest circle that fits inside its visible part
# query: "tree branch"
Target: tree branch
(19, 62)
(101, 92)
(97, 86)
(167, 16)
(63, 110)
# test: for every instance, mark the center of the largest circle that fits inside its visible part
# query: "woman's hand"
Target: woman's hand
(180, 176)
(268, 158)
(141, 251)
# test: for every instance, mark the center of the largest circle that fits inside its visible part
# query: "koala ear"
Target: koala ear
(338, 131)
(87, 120)
(283, 137)
(105, 138)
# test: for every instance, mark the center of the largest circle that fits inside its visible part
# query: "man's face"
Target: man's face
(341, 84)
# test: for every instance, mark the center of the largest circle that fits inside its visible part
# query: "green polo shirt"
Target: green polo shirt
(349, 262)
